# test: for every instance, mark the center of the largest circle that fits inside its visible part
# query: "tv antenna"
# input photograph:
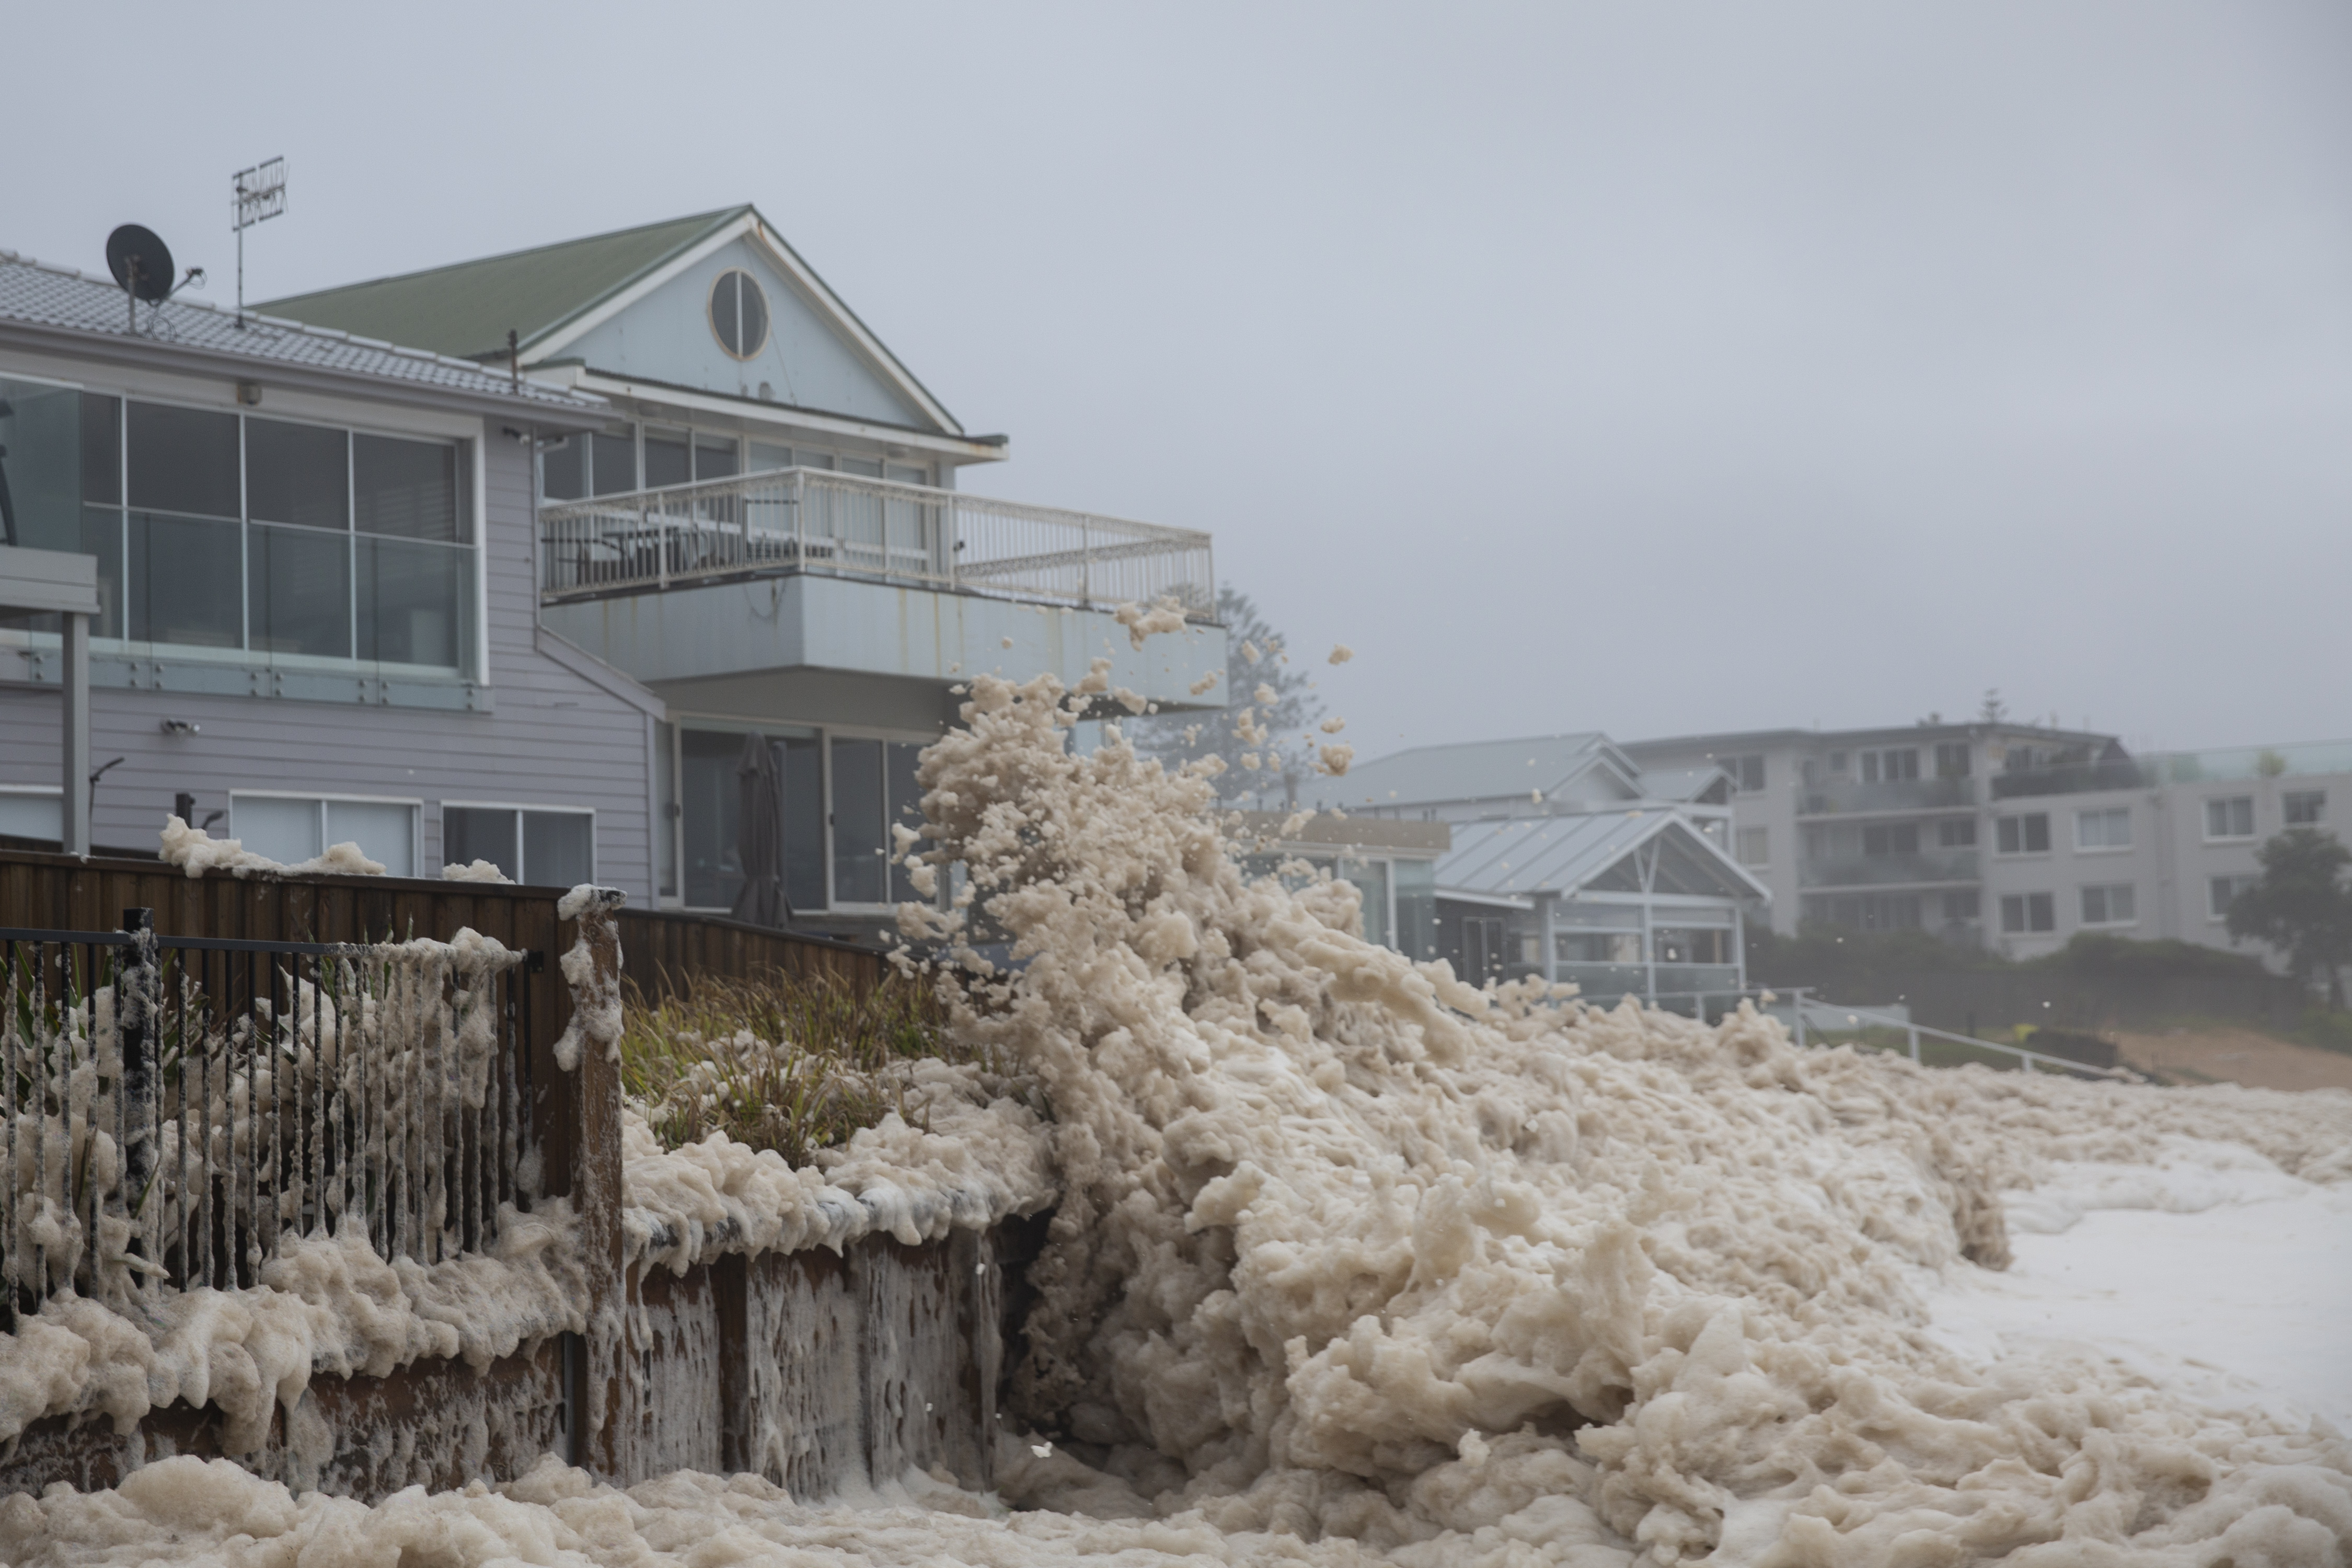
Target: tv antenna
(256, 195)
(142, 263)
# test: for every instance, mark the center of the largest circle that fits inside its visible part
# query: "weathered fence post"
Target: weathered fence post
(589, 1052)
(137, 990)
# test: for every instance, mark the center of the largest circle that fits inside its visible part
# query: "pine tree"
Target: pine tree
(1265, 733)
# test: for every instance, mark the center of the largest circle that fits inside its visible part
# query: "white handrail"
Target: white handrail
(1913, 1030)
(819, 521)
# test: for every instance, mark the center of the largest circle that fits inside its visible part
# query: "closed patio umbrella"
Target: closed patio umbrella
(760, 836)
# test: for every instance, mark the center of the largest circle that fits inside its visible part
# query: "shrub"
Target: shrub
(784, 1062)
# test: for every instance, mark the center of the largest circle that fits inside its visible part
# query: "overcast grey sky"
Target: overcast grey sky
(1651, 368)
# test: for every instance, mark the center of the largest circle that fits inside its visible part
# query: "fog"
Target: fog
(1650, 368)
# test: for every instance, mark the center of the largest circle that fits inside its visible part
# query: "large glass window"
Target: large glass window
(183, 460)
(1416, 908)
(294, 828)
(187, 581)
(471, 833)
(716, 458)
(217, 530)
(615, 463)
(904, 797)
(60, 447)
(668, 459)
(548, 847)
(802, 760)
(666, 810)
(298, 591)
(408, 489)
(711, 820)
(558, 847)
(860, 869)
(563, 469)
(845, 843)
(411, 602)
(297, 473)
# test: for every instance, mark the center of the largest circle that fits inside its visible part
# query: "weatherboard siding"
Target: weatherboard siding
(554, 738)
(667, 336)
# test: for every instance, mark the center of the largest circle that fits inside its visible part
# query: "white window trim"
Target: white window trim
(2122, 849)
(520, 806)
(2248, 837)
(2019, 817)
(2026, 899)
(2110, 923)
(326, 798)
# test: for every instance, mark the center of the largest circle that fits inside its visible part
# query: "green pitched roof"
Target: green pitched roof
(467, 310)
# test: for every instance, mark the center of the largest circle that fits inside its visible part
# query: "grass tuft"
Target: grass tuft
(790, 1063)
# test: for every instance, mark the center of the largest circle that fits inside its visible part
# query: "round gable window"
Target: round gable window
(738, 313)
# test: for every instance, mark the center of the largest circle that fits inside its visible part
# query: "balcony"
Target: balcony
(1890, 871)
(761, 594)
(808, 520)
(1851, 797)
(2076, 778)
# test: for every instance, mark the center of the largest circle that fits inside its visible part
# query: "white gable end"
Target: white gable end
(666, 336)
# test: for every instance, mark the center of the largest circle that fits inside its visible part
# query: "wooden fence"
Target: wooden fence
(574, 1116)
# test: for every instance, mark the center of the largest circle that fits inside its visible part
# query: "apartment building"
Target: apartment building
(2014, 836)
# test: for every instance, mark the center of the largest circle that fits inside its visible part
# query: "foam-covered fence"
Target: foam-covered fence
(816, 1369)
(812, 1367)
(174, 1111)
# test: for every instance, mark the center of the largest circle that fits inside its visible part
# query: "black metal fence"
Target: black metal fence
(178, 1111)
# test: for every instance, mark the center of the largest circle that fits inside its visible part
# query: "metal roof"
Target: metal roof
(551, 294)
(60, 300)
(467, 308)
(1563, 854)
(1476, 770)
(1678, 783)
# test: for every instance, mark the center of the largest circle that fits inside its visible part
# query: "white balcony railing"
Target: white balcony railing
(846, 525)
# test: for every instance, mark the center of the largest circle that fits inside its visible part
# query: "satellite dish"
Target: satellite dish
(141, 262)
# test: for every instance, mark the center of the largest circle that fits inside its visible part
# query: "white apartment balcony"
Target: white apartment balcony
(805, 570)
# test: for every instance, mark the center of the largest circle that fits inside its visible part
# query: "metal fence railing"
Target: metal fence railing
(817, 520)
(177, 1110)
(1809, 1015)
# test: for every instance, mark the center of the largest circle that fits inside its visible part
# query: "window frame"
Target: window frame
(2220, 915)
(52, 793)
(2214, 801)
(2025, 849)
(2108, 920)
(326, 798)
(471, 491)
(2290, 800)
(823, 735)
(518, 808)
(2081, 818)
(826, 735)
(2027, 905)
(710, 314)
